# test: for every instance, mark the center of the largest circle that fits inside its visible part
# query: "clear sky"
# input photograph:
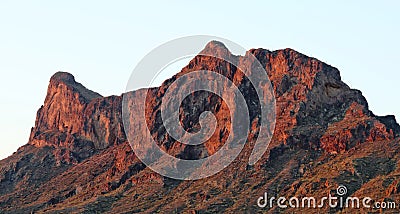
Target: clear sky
(100, 43)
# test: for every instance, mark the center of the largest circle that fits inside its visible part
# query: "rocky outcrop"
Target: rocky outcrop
(78, 158)
(76, 121)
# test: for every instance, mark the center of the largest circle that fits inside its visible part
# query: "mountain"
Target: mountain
(78, 158)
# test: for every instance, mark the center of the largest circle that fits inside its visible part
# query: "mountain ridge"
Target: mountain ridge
(79, 160)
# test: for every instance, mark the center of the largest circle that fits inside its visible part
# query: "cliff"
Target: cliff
(78, 157)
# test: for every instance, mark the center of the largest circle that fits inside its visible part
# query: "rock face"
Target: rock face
(76, 121)
(78, 158)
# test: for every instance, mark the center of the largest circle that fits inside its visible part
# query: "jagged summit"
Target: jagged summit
(216, 48)
(216, 44)
(78, 159)
(71, 113)
(62, 76)
(68, 80)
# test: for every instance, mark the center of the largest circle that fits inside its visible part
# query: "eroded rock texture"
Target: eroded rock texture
(78, 158)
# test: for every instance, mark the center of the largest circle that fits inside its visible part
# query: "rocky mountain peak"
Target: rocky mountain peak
(78, 158)
(76, 120)
(62, 76)
(217, 49)
(61, 82)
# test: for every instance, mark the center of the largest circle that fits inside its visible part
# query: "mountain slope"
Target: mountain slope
(78, 158)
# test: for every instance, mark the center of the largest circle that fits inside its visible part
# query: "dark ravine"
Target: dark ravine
(78, 158)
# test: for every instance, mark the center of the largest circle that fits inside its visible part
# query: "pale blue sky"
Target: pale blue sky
(101, 42)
